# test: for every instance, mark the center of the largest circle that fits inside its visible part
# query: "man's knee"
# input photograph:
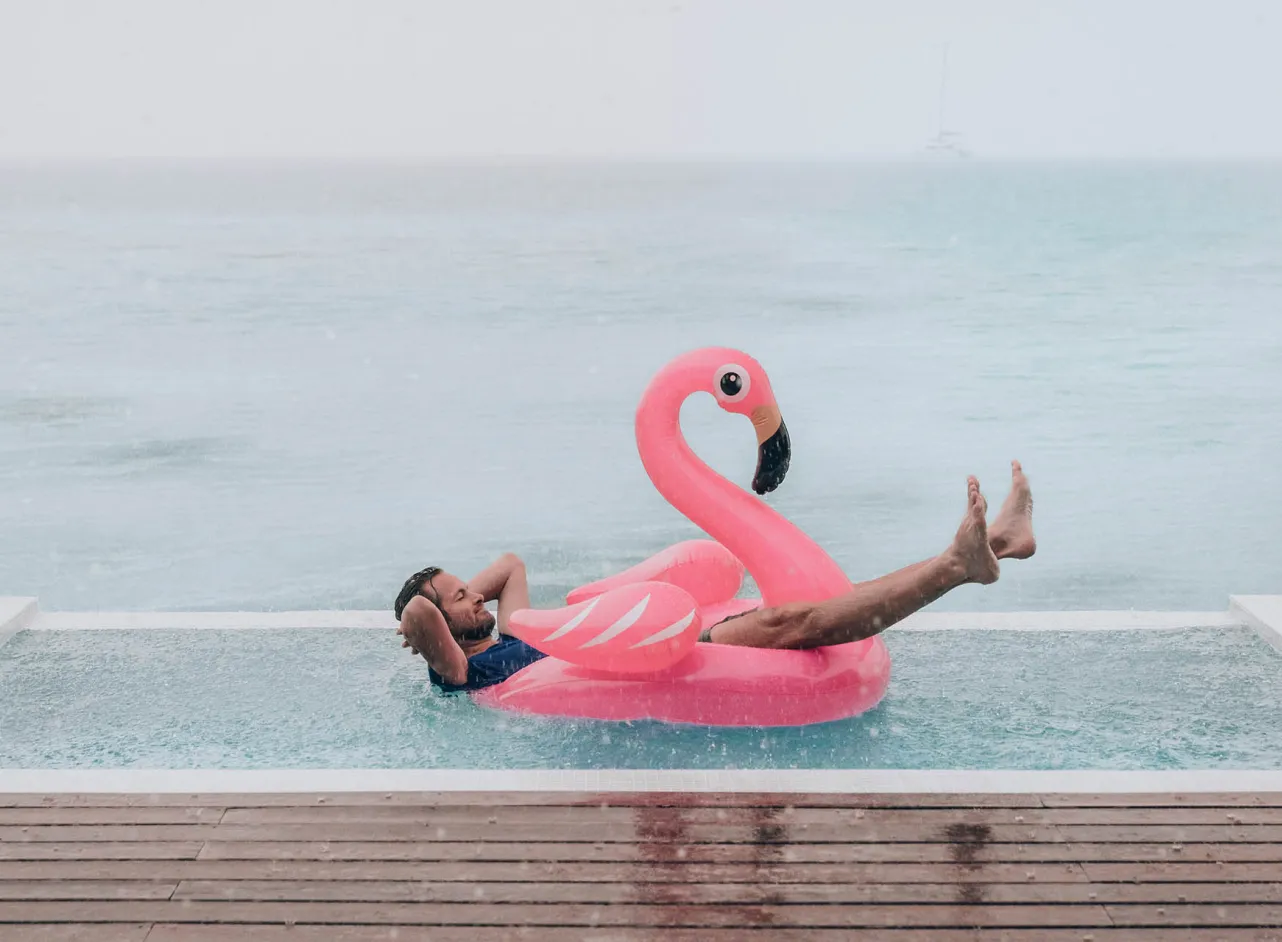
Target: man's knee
(817, 626)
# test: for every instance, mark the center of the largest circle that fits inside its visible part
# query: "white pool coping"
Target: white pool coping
(1263, 613)
(15, 615)
(815, 781)
(381, 620)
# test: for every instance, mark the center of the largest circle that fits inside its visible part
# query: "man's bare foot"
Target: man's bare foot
(970, 546)
(1011, 535)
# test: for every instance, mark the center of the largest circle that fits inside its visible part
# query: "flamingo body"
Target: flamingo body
(694, 584)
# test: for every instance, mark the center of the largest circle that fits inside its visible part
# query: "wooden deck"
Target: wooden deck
(652, 866)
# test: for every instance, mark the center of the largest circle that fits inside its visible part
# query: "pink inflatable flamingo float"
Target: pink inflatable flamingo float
(626, 647)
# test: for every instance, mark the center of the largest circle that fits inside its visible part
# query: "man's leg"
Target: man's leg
(871, 607)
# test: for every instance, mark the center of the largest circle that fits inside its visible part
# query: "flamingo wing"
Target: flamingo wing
(637, 628)
(704, 568)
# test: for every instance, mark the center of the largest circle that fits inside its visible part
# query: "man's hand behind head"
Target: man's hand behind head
(424, 631)
(419, 620)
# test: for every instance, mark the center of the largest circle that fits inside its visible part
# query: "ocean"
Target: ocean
(290, 386)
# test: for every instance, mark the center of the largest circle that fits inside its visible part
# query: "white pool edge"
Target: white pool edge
(16, 614)
(379, 620)
(1262, 613)
(814, 781)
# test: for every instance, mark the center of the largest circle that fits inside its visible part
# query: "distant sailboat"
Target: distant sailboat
(945, 143)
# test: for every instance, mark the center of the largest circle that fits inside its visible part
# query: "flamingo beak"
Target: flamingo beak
(774, 449)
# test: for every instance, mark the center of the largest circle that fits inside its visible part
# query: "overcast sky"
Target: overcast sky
(703, 78)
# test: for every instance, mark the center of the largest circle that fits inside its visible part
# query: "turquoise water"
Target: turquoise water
(344, 699)
(258, 388)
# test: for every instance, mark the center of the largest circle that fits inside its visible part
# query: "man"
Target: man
(445, 620)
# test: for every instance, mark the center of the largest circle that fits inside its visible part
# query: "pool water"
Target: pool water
(351, 698)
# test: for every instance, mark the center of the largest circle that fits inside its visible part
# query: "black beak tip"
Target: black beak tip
(773, 458)
(765, 487)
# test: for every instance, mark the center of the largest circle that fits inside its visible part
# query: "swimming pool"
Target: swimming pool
(349, 698)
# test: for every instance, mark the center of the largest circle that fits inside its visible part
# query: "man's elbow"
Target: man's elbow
(456, 676)
(453, 669)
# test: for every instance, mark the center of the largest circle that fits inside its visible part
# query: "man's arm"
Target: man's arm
(425, 632)
(504, 580)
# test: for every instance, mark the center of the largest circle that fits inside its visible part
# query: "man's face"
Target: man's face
(464, 610)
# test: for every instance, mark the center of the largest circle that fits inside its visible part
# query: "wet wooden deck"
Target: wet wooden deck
(652, 866)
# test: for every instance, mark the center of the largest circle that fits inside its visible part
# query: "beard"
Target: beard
(483, 628)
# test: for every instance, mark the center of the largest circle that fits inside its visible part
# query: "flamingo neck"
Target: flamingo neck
(785, 563)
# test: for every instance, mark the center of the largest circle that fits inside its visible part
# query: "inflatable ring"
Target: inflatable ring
(626, 647)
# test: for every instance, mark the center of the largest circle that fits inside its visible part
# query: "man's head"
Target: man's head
(464, 610)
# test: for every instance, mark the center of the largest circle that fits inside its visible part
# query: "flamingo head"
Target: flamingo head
(740, 385)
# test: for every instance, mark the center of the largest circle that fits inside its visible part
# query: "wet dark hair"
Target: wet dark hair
(414, 586)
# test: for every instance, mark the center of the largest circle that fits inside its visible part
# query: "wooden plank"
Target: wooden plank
(487, 802)
(701, 894)
(35, 888)
(132, 850)
(250, 933)
(141, 815)
(723, 853)
(1163, 800)
(757, 827)
(73, 932)
(529, 799)
(547, 871)
(662, 829)
(500, 851)
(1181, 893)
(1175, 834)
(937, 817)
(1218, 872)
(569, 914)
(594, 814)
(1185, 853)
(1165, 816)
(1224, 914)
(413, 933)
(725, 893)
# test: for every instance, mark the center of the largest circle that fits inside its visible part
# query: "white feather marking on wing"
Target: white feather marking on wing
(670, 632)
(623, 624)
(574, 622)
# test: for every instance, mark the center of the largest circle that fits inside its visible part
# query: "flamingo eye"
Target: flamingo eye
(732, 383)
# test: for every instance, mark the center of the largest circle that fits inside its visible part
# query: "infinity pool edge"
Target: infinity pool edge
(815, 781)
